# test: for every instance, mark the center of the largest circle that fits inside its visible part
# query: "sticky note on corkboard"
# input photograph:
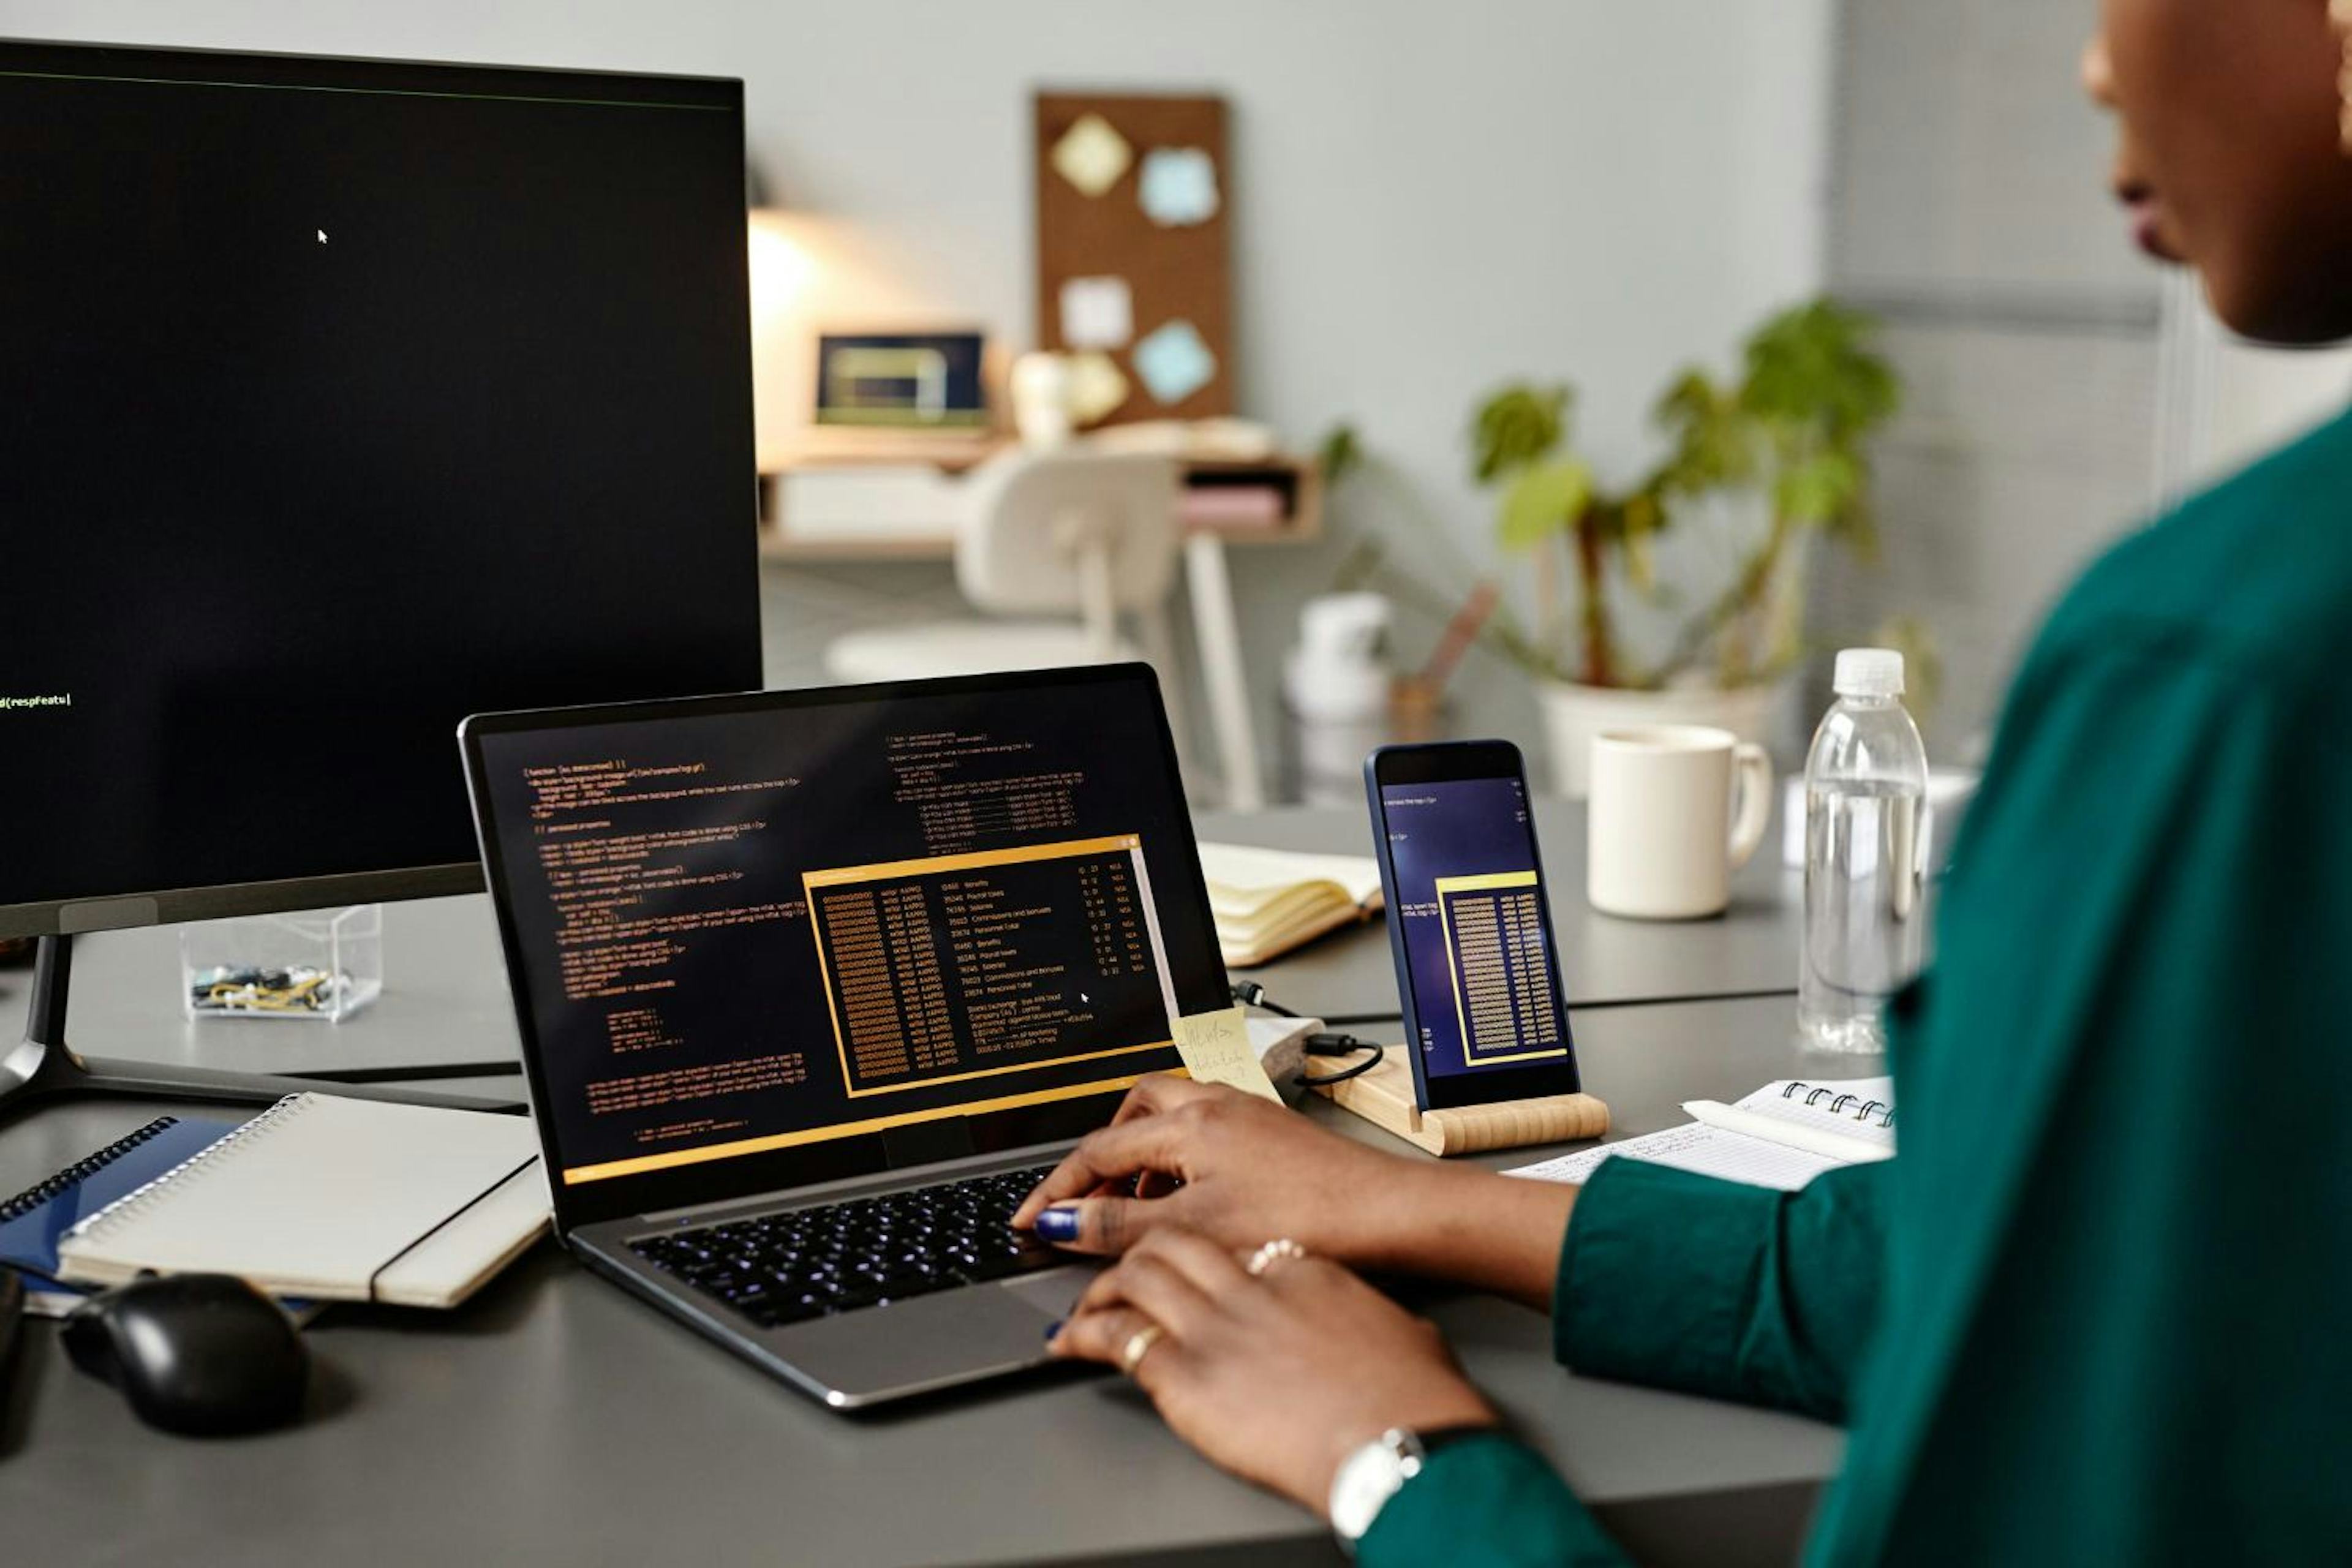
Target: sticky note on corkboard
(1174, 271)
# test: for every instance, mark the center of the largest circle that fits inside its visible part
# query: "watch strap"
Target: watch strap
(1371, 1474)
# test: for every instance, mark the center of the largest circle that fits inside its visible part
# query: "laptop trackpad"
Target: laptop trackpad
(931, 1341)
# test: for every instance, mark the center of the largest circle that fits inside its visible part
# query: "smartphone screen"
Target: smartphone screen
(1471, 929)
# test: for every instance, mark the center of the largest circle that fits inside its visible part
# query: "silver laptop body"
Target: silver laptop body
(872, 1355)
(1048, 872)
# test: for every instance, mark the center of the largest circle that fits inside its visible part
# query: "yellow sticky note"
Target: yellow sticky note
(1216, 1050)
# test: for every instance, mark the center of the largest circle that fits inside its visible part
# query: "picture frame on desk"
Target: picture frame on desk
(906, 383)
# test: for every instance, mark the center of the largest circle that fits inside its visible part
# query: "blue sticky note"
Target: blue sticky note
(1174, 363)
(1178, 186)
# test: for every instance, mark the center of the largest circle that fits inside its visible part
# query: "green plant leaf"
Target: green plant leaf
(1716, 441)
(1816, 490)
(1340, 455)
(1856, 526)
(1814, 365)
(1543, 500)
(1642, 515)
(1519, 425)
(1642, 566)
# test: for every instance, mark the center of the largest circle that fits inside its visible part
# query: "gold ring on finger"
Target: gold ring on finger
(1139, 1345)
(1281, 1249)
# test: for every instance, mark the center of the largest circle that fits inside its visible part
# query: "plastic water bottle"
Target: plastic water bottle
(1865, 856)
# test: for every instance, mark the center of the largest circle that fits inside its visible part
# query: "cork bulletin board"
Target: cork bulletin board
(1132, 278)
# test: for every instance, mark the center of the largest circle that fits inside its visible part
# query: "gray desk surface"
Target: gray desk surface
(445, 1000)
(554, 1420)
(1749, 950)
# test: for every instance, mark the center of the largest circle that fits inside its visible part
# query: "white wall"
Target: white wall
(1970, 209)
(1430, 197)
(2251, 398)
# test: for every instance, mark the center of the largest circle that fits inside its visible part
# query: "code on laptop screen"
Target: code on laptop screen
(743, 932)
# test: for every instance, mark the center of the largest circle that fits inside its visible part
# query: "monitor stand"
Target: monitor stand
(42, 1066)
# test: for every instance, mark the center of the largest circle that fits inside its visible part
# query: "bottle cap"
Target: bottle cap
(1869, 673)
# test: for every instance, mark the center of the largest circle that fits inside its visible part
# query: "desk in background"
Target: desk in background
(918, 525)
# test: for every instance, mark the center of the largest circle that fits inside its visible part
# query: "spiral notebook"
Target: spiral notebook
(1783, 1135)
(334, 1200)
(34, 1221)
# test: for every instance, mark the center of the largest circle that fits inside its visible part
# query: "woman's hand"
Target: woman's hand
(1246, 1169)
(1276, 1378)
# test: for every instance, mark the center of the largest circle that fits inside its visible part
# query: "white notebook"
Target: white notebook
(330, 1199)
(1783, 1135)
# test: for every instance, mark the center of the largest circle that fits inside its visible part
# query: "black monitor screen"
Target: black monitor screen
(770, 924)
(342, 399)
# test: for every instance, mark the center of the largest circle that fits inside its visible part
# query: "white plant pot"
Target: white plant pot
(1573, 714)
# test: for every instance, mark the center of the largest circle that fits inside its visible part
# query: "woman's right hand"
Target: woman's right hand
(1246, 1170)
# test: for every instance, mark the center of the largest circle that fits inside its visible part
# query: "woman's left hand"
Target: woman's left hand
(1279, 1378)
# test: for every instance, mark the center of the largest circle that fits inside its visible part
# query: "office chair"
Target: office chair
(1057, 534)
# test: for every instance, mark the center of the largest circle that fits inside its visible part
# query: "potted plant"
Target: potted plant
(1785, 442)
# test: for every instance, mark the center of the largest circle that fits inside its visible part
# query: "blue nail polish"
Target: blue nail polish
(1052, 1329)
(1058, 1224)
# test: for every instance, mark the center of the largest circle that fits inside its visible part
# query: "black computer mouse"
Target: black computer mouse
(199, 1353)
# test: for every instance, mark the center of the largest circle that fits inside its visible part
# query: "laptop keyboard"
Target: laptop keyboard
(868, 1252)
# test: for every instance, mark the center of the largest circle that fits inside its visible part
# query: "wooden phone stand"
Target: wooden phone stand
(1383, 1097)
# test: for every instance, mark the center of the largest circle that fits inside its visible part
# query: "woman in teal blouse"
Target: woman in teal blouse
(2099, 1309)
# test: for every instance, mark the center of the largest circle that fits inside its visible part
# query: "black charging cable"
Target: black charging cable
(1325, 1043)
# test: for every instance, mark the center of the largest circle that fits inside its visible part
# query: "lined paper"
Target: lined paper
(1708, 1151)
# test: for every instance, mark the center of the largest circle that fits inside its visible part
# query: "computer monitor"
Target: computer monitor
(342, 399)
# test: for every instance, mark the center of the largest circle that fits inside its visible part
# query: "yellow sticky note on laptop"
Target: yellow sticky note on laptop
(1216, 1050)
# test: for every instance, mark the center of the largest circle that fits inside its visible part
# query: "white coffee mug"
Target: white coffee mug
(1661, 838)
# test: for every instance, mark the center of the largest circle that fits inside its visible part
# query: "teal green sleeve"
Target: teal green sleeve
(1486, 1502)
(1678, 1281)
(2123, 1265)
(1714, 1287)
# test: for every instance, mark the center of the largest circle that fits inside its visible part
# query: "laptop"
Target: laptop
(813, 986)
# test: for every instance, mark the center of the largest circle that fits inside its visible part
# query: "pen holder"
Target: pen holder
(323, 966)
(1384, 1097)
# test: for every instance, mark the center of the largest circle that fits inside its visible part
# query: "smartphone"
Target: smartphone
(1477, 971)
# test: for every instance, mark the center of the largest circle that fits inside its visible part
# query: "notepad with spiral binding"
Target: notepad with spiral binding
(1783, 1135)
(332, 1199)
(34, 1221)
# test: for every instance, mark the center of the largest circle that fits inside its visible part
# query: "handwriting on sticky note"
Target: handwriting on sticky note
(1216, 1050)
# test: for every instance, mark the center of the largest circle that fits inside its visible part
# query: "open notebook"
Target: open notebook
(1267, 902)
(333, 1200)
(1783, 1135)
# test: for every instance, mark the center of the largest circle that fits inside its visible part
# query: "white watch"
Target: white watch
(1368, 1477)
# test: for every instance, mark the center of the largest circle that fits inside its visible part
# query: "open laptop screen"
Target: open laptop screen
(746, 926)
